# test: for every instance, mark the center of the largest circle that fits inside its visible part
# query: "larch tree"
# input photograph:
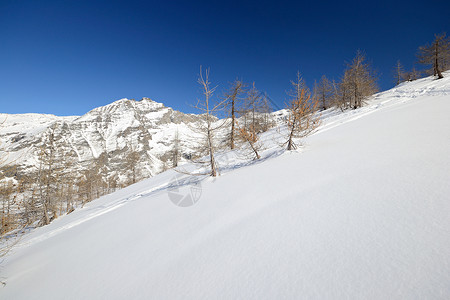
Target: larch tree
(415, 74)
(412, 75)
(336, 98)
(248, 135)
(9, 219)
(84, 186)
(4, 190)
(344, 92)
(92, 183)
(233, 101)
(207, 128)
(323, 91)
(48, 174)
(251, 105)
(255, 109)
(67, 180)
(359, 81)
(437, 55)
(302, 119)
(132, 160)
(3, 154)
(113, 183)
(266, 109)
(102, 166)
(399, 73)
(176, 149)
(7, 201)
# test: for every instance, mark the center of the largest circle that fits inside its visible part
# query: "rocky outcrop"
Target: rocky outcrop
(114, 130)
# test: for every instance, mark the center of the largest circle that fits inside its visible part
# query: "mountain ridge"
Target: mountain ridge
(144, 125)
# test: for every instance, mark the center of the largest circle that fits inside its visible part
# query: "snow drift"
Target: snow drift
(361, 212)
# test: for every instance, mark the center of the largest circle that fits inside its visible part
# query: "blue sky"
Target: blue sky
(68, 57)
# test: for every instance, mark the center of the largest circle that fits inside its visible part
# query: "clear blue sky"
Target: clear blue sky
(67, 57)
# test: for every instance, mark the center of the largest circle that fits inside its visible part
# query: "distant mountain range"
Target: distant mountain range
(114, 130)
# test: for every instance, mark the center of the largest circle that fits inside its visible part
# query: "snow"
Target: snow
(30, 123)
(113, 128)
(360, 212)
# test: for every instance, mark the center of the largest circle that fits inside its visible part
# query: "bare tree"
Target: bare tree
(47, 174)
(54, 192)
(9, 219)
(359, 81)
(437, 55)
(113, 183)
(207, 128)
(345, 92)
(101, 165)
(415, 74)
(412, 75)
(255, 109)
(251, 106)
(66, 181)
(233, 101)
(323, 92)
(7, 201)
(5, 191)
(336, 98)
(132, 160)
(93, 182)
(176, 149)
(249, 136)
(399, 73)
(88, 183)
(3, 156)
(266, 109)
(302, 119)
(30, 209)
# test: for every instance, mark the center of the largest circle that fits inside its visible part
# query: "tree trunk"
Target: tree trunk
(211, 155)
(290, 145)
(436, 61)
(233, 120)
(255, 151)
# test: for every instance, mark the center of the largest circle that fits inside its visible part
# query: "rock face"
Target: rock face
(112, 132)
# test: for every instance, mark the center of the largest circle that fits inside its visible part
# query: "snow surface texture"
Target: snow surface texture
(361, 212)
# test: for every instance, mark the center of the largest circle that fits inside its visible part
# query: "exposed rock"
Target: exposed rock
(145, 126)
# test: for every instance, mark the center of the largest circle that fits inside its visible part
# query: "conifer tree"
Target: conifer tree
(323, 92)
(302, 119)
(359, 81)
(132, 160)
(249, 136)
(176, 150)
(399, 73)
(233, 99)
(437, 55)
(208, 128)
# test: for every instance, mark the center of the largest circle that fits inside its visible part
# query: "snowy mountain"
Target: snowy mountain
(360, 212)
(145, 126)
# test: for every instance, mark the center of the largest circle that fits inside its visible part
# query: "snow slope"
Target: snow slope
(361, 212)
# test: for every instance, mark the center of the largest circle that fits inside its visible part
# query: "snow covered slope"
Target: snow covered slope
(361, 212)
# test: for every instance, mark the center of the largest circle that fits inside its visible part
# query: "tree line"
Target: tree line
(59, 184)
(247, 110)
